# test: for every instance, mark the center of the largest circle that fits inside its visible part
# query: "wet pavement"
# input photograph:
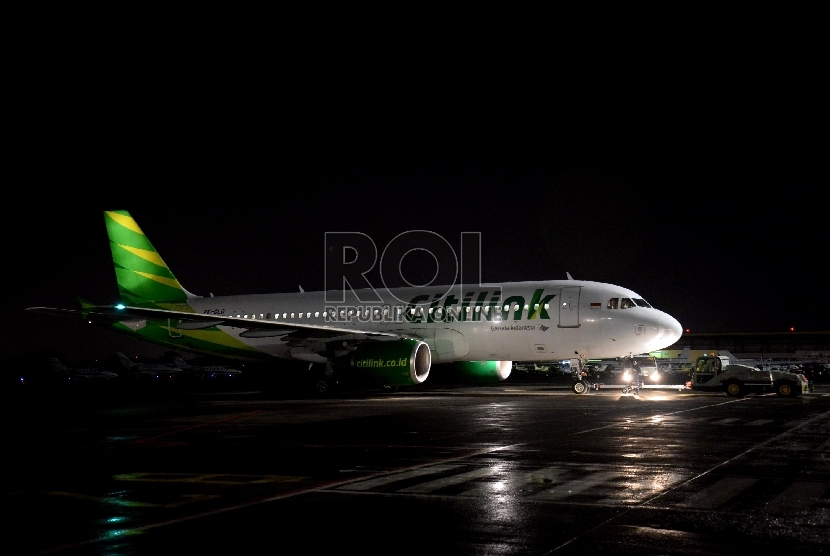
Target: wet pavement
(522, 467)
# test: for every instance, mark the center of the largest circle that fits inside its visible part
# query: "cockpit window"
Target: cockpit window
(627, 303)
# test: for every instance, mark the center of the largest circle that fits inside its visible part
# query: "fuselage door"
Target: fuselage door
(569, 307)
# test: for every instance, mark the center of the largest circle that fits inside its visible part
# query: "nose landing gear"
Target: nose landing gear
(580, 387)
(581, 383)
(584, 386)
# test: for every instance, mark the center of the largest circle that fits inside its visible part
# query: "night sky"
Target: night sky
(713, 211)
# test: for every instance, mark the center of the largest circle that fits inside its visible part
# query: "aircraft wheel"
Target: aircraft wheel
(580, 387)
(734, 389)
(322, 387)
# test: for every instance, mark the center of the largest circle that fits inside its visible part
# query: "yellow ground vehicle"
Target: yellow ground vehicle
(714, 373)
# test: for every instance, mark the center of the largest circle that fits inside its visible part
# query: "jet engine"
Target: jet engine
(392, 363)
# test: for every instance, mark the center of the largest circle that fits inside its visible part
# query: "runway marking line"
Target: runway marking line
(680, 484)
(324, 486)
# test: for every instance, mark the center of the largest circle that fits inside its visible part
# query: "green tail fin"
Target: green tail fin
(143, 278)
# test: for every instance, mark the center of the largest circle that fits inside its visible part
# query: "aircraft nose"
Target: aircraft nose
(669, 329)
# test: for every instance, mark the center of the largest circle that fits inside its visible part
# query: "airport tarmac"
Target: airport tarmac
(521, 467)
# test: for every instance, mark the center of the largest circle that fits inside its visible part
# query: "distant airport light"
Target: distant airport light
(120, 306)
(688, 330)
(792, 329)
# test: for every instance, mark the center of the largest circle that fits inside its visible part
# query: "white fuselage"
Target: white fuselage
(518, 321)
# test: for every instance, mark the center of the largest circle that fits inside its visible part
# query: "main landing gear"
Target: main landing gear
(323, 383)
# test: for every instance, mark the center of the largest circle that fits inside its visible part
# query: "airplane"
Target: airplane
(734, 359)
(206, 371)
(136, 369)
(78, 374)
(766, 364)
(683, 363)
(682, 357)
(387, 337)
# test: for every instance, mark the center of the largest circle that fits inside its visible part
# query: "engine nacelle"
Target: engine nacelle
(481, 372)
(393, 363)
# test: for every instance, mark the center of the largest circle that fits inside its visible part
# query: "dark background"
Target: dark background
(709, 201)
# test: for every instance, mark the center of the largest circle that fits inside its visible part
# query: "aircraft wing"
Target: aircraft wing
(255, 328)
